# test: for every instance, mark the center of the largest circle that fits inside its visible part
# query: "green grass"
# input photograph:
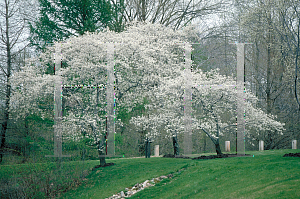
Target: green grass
(41, 180)
(106, 181)
(266, 175)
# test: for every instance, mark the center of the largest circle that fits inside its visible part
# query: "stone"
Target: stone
(227, 146)
(261, 145)
(170, 175)
(138, 187)
(122, 194)
(294, 144)
(145, 183)
(163, 177)
(156, 180)
(156, 151)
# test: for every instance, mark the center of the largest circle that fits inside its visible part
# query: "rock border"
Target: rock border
(141, 186)
(137, 187)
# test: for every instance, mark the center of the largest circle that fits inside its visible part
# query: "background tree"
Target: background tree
(12, 25)
(216, 108)
(145, 50)
(269, 62)
(171, 13)
(58, 20)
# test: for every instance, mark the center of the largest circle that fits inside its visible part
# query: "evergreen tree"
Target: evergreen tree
(60, 19)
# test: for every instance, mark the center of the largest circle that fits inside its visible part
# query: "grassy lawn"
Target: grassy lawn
(266, 175)
(106, 181)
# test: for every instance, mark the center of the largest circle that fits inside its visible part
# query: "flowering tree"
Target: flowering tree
(214, 98)
(144, 55)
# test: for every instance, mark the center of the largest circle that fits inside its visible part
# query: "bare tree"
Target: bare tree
(272, 27)
(174, 13)
(12, 27)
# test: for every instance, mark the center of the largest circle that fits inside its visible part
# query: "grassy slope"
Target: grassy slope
(266, 175)
(106, 181)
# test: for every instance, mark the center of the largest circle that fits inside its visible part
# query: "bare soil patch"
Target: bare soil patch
(207, 157)
(106, 165)
(292, 155)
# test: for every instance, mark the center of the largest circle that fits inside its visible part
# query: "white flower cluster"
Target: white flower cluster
(148, 65)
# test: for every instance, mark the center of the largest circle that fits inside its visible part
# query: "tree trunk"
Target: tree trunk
(101, 152)
(176, 146)
(102, 158)
(218, 149)
(204, 144)
(147, 149)
(8, 87)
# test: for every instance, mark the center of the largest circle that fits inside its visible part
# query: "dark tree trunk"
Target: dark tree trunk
(8, 87)
(147, 149)
(218, 149)
(101, 151)
(102, 158)
(176, 146)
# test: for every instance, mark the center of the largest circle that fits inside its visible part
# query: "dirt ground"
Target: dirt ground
(206, 157)
(292, 155)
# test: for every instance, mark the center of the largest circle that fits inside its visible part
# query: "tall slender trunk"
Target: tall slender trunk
(8, 87)
(217, 143)
(175, 146)
(147, 148)
(268, 86)
(26, 144)
(143, 11)
(204, 144)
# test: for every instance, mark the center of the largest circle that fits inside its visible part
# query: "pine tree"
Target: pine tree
(60, 19)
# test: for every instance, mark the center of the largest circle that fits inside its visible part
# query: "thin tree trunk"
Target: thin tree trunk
(204, 144)
(268, 86)
(218, 149)
(175, 146)
(8, 87)
(147, 148)
(101, 152)
(102, 158)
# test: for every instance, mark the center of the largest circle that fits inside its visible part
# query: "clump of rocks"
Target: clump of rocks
(292, 155)
(138, 187)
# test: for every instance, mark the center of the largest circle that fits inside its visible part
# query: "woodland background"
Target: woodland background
(271, 62)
